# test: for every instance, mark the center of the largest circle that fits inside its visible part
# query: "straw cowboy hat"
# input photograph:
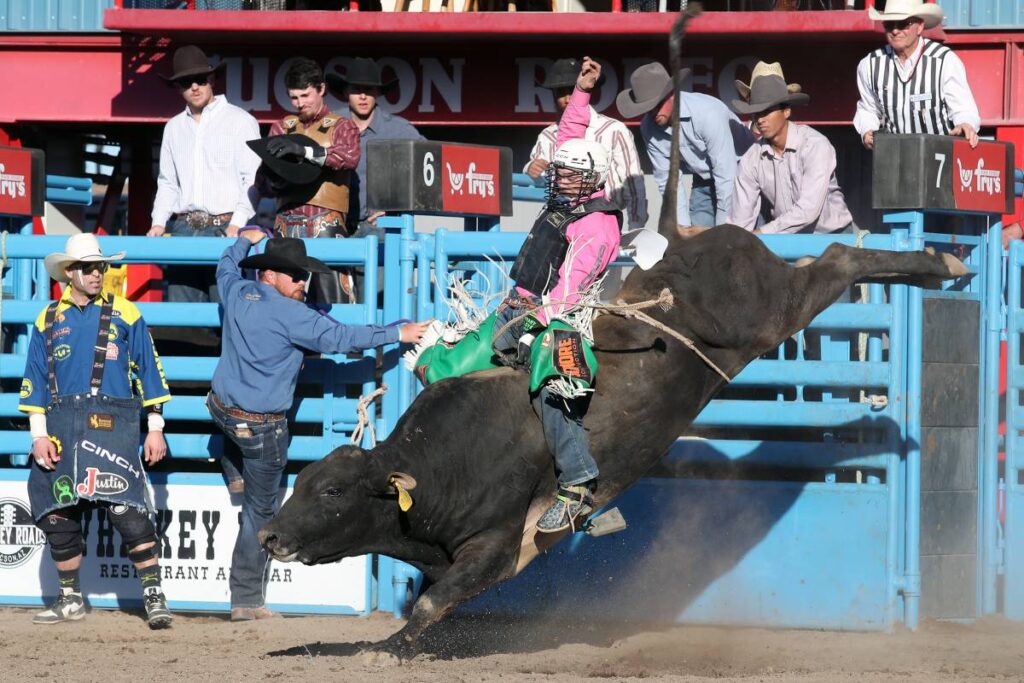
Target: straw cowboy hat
(362, 71)
(767, 89)
(898, 10)
(80, 248)
(648, 86)
(188, 61)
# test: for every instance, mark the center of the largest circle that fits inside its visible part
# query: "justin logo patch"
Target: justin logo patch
(112, 351)
(101, 421)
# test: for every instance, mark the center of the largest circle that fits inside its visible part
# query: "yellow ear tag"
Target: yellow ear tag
(404, 499)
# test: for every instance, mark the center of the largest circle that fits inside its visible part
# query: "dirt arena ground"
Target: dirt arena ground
(117, 646)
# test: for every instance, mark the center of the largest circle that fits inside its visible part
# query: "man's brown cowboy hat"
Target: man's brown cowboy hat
(648, 86)
(190, 61)
(362, 71)
(767, 89)
(284, 255)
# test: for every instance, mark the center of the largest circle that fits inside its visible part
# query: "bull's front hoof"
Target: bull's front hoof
(380, 658)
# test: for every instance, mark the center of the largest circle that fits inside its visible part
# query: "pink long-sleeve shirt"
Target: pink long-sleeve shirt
(593, 239)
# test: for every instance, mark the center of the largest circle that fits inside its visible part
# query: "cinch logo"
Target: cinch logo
(90, 447)
(11, 184)
(985, 181)
(102, 483)
(479, 184)
(19, 536)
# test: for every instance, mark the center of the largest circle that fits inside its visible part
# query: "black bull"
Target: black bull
(474, 450)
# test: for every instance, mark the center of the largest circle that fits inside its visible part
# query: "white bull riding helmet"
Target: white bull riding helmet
(588, 161)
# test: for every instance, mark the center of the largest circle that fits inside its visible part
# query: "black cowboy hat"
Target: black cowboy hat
(563, 74)
(189, 60)
(287, 170)
(362, 71)
(284, 255)
(648, 86)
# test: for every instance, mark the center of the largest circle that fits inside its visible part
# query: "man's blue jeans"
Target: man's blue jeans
(561, 419)
(702, 202)
(264, 449)
(191, 284)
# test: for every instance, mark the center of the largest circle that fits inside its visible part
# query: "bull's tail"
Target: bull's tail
(667, 221)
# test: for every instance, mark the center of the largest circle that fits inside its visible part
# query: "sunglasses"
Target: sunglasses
(90, 268)
(186, 83)
(891, 26)
(297, 277)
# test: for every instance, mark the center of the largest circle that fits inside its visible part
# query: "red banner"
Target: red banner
(21, 188)
(469, 180)
(980, 177)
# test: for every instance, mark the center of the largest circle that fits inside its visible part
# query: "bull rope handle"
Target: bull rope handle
(365, 423)
(635, 310)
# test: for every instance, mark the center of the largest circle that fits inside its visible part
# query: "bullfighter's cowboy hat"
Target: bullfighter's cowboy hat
(649, 85)
(898, 10)
(284, 255)
(563, 74)
(190, 61)
(361, 71)
(80, 248)
(767, 89)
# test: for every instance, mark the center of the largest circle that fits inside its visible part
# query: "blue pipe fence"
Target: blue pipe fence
(795, 502)
(1012, 485)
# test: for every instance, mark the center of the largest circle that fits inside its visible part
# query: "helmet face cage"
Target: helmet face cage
(556, 197)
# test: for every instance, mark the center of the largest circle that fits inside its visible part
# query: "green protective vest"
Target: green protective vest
(562, 351)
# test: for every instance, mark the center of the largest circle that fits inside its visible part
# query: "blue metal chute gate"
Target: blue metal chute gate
(837, 552)
(325, 419)
(1012, 537)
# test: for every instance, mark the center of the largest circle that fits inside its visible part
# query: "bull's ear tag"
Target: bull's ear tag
(404, 499)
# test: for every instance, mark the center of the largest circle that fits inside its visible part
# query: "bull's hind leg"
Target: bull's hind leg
(479, 564)
(827, 277)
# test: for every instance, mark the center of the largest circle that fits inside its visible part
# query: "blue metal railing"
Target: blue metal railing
(1013, 473)
(336, 414)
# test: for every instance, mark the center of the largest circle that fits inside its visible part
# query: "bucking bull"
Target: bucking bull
(471, 451)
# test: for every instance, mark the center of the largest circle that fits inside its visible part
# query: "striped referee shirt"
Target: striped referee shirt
(926, 94)
(205, 165)
(625, 185)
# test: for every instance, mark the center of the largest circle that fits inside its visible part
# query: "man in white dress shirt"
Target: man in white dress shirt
(913, 84)
(206, 170)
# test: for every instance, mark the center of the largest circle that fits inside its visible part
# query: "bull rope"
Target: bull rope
(365, 423)
(635, 310)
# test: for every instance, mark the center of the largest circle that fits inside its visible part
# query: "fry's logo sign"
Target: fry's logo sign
(481, 184)
(985, 180)
(470, 179)
(11, 184)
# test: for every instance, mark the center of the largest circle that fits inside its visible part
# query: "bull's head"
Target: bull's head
(340, 507)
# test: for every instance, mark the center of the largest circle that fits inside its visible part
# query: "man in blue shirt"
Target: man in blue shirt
(267, 328)
(91, 370)
(712, 139)
(362, 87)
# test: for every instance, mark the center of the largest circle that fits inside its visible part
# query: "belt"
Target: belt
(202, 219)
(240, 414)
(327, 224)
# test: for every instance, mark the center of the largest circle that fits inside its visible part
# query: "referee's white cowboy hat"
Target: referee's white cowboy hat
(898, 10)
(80, 248)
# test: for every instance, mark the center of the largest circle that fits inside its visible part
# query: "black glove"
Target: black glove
(281, 146)
(523, 350)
